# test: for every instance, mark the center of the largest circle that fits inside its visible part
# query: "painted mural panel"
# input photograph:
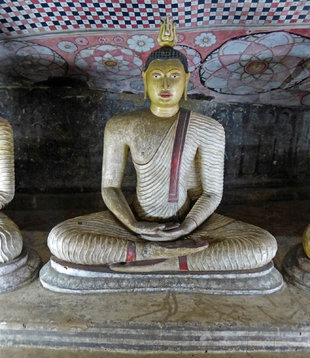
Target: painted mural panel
(238, 50)
(41, 16)
(261, 67)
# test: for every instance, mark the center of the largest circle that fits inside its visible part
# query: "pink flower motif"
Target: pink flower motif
(256, 63)
(181, 38)
(81, 41)
(102, 40)
(205, 39)
(67, 46)
(140, 43)
(108, 62)
(118, 39)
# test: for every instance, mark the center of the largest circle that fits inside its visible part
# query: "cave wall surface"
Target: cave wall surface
(59, 138)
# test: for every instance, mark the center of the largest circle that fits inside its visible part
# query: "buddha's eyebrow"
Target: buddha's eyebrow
(158, 69)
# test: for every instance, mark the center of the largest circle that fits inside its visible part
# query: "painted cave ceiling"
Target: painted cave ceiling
(238, 50)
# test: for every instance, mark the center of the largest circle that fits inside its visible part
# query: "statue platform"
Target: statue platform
(60, 276)
(19, 272)
(38, 322)
(296, 267)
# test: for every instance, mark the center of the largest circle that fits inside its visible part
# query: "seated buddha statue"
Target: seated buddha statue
(178, 156)
(18, 265)
(11, 239)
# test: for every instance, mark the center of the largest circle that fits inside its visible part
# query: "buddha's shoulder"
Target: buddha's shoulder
(5, 127)
(125, 121)
(203, 122)
(4, 123)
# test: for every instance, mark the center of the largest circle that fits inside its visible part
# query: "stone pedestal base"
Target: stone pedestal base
(61, 276)
(296, 267)
(20, 271)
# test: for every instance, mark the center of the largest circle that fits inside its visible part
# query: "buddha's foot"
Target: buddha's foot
(169, 249)
(147, 266)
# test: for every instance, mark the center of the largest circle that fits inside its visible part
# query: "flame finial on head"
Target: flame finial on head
(167, 39)
(167, 33)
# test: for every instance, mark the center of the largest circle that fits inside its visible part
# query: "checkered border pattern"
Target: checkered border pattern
(35, 16)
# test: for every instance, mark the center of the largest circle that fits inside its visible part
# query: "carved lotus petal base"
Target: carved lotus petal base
(20, 271)
(66, 277)
(296, 267)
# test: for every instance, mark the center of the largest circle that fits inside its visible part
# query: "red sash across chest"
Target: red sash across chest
(177, 152)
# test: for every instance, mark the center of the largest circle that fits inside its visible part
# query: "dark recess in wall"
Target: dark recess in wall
(59, 134)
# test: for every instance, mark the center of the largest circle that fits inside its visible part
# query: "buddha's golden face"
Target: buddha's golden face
(165, 82)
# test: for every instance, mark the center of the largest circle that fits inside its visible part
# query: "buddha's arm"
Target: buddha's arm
(115, 154)
(7, 185)
(210, 153)
(211, 159)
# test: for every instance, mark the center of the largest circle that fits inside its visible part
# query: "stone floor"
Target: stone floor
(37, 323)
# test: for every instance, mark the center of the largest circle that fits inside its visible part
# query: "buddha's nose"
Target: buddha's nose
(165, 83)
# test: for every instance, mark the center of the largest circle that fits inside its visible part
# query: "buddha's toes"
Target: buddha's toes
(146, 266)
(184, 243)
(180, 247)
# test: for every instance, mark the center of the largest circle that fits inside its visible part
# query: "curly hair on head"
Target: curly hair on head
(167, 53)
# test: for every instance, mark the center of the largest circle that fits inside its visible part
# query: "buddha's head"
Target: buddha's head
(166, 73)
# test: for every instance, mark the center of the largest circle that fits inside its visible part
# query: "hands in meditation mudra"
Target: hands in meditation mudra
(178, 156)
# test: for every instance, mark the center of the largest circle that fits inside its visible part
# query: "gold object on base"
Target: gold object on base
(306, 241)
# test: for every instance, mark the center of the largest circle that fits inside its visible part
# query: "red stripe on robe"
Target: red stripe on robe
(183, 263)
(177, 152)
(131, 252)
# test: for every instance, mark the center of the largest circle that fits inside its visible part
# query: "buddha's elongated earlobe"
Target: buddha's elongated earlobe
(145, 85)
(185, 86)
(145, 92)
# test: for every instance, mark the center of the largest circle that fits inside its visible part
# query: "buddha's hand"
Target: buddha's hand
(146, 227)
(169, 234)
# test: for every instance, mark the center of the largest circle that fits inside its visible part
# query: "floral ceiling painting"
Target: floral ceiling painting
(257, 63)
(238, 50)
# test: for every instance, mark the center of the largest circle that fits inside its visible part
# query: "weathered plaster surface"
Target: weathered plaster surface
(57, 127)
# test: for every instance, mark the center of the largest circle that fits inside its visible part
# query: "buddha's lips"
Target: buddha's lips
(165, 94)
